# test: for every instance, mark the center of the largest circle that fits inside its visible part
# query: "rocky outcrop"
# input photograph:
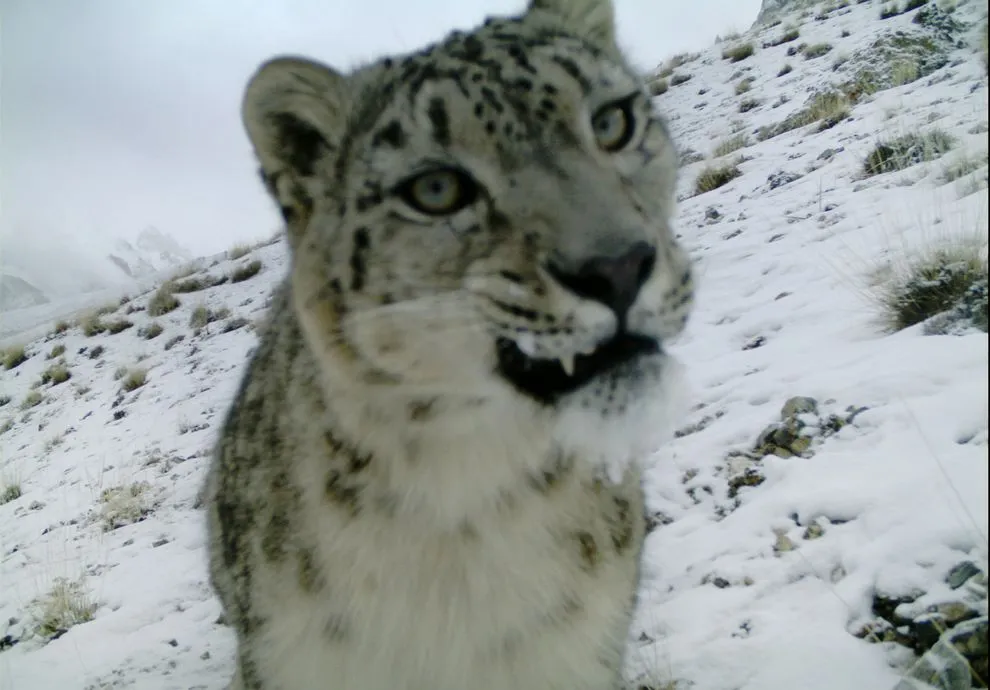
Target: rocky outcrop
(772, 10)
(799, 427)
(949, 634)
(152, 252)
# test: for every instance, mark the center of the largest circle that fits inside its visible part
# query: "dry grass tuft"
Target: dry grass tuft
(948, 277)
(65, 605)
(714, 177)
(132, 379)
(739, 52)
(163, 301)
(245, 271)
(13, 357)
(907, 150)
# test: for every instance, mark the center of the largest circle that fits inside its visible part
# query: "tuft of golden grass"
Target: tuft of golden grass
(163, 301)
(65, 605)
(738, 52)
(245, 271)
(132, 379)
(56, 374)
(713, 177)
(902, 152)
(32, 399)
(13, 357)
(730, 145)
(933, 280)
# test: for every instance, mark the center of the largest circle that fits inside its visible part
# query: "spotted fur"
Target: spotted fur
(385, 511)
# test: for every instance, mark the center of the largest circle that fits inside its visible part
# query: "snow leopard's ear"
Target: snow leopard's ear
(294, 111)
(593, 20)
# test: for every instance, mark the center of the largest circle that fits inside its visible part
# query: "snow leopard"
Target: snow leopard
(428, 478)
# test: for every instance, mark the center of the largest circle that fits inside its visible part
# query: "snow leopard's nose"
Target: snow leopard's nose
(614, 281)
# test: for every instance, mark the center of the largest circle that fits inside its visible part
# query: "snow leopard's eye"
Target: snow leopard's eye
(613, 125)
(439, 192)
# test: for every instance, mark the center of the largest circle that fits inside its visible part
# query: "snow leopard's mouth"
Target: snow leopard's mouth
(547, 380)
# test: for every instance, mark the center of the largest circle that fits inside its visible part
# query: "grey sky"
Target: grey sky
(120, 114)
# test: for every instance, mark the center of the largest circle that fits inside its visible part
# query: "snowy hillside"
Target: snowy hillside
(820, 517)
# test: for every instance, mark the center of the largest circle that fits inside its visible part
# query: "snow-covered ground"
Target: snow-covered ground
(759, 572)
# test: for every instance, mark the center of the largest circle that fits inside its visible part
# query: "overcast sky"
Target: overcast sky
(120, 114)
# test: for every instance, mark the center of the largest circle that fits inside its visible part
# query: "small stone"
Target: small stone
(955, 612)
(955, 661)
(927, 629)
(720, 582)
(960, 573)
(755, 342)
(782, 177)
(814, 531)
(885, 607)
(783, 544)
(657, 519)
(749, 477)
(798, 405)
(970, 638)
(801, 444)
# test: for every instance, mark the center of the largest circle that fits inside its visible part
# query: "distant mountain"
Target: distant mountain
(16, 293)
(152, 252)
(28, 276)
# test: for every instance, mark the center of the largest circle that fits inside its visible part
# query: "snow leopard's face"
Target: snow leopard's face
(489, 216)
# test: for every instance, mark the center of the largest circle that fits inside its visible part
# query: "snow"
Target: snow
(901, 493)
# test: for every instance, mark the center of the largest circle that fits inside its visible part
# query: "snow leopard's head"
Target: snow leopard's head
(489, 216)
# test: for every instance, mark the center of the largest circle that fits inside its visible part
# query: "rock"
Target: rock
(785, 439)
(970, 639)
(711, 213)
(947, 665)
(748, 477)
(755, 342)
(782, 177)
(926, 629)
(783, 544)
(814, 531)
(885, 607)
(657, 519)
(955, 612)
(798, 405)
(829, 154)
